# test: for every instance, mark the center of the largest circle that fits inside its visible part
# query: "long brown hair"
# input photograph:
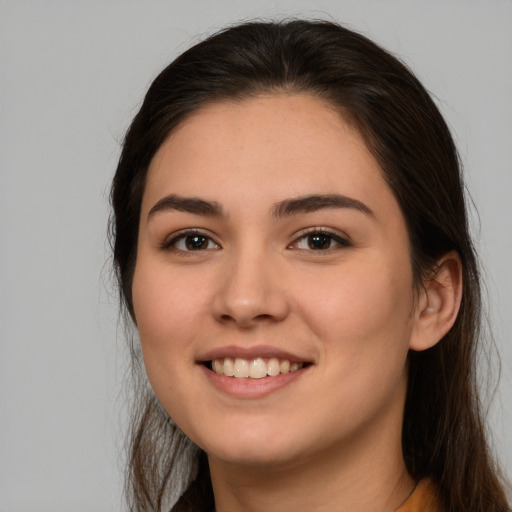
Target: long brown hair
(443, 431)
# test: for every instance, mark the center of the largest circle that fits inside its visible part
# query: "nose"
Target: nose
(251, 291)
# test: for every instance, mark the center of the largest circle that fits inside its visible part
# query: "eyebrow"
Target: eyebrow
(193, 205)
(286, 208)
(314, 203)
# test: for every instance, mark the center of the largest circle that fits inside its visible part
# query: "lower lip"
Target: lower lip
(252, 388)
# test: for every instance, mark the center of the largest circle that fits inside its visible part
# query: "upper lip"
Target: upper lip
(235, 351)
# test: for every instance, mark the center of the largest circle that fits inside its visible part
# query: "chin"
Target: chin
(257, 457)
(253, 447)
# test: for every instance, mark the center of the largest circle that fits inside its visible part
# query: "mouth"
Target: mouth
(252, 372)
(253, 368)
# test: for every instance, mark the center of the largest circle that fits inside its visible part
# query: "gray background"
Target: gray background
(72, 76)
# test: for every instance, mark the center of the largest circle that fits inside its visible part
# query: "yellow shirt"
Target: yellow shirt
(423, 499)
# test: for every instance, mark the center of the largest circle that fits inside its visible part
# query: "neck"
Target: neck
(361, 474)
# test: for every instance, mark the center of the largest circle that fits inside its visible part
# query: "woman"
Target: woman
(291, 241)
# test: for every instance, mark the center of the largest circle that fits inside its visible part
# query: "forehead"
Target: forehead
(267, 147)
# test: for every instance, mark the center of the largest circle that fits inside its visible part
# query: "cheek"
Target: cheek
(166, 311)
(365, 328)
(165, 304)
(363, 316)
(360, 298)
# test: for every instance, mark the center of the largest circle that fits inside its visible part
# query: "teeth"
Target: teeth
(294, 367)
(273, 367)
(217, 367)
(284, 367)
(257, 369)
(229, 367)
(241, 368)
(254, 368)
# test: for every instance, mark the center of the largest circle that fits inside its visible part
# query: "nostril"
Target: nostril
(263, 317)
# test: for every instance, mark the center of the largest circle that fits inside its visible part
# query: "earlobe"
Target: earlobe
(438, 303)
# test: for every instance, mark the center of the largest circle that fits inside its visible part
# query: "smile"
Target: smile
(255, 368)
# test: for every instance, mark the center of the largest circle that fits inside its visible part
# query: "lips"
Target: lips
(257, 387)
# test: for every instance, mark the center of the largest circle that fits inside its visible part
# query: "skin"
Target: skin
(331, 438)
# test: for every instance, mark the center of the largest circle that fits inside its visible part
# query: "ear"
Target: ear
(438, 303)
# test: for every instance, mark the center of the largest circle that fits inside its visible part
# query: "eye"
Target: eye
(190, 241)
(319, 240)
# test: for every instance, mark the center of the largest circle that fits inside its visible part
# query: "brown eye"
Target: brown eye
(196, 242)
(191, 242)
(319, 241)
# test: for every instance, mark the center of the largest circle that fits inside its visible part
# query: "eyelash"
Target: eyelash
(182, 236)
(341, 241)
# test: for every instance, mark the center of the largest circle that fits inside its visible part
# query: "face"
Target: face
(271, 246)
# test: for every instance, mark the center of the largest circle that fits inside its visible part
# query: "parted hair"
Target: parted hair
(444, 435)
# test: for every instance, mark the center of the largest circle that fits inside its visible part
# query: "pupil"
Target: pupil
(195, 242)
(319, 241)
